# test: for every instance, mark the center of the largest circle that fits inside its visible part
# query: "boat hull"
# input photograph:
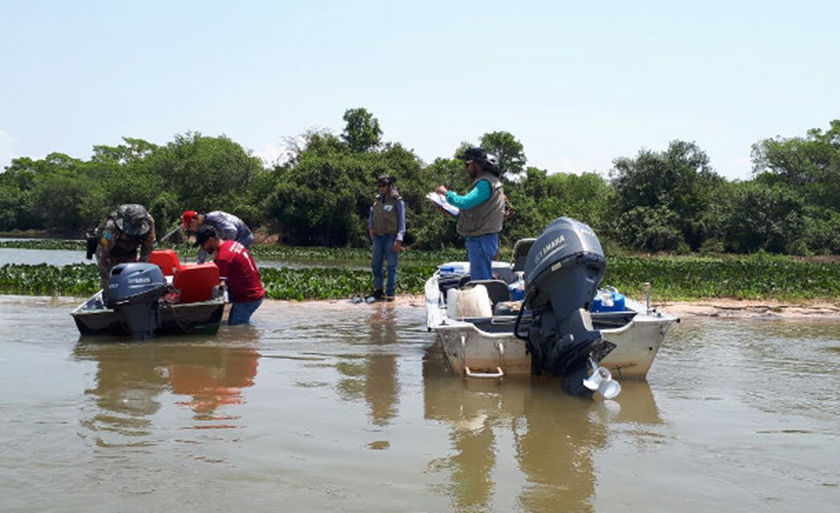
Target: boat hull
(201, 317)
(487, 347)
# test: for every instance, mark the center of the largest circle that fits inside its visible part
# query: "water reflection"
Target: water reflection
(552, 437)
(132, 377)
(374, 375)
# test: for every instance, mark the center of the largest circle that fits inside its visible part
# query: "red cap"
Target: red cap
(188, 216)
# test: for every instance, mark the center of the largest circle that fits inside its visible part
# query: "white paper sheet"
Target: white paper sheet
(440, 200)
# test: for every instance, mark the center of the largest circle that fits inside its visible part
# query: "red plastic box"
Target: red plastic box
(195, 282)
(167, 260)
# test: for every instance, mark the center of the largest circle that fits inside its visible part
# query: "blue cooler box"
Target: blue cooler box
(608, 301)
(517, 290)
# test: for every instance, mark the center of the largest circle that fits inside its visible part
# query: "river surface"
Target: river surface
(329, 406)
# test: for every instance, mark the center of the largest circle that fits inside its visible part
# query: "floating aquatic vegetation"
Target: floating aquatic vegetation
(672, 278)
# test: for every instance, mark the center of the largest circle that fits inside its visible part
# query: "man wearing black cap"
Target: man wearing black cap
(238, 269)
(126, 230)
(386, 227)
(482, 211)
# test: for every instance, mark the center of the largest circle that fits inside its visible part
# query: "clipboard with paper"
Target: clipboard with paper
(440, 200)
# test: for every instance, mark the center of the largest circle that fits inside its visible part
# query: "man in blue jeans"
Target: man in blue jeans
(386, 227)
(238, 269)
(482, 211)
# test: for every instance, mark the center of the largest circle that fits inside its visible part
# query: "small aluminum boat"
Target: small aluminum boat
(561, 323)
(155, 298)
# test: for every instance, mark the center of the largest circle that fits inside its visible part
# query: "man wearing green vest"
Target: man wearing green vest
(386, 227)
(482, 211)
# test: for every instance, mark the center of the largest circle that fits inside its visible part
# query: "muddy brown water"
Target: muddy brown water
(331, 406)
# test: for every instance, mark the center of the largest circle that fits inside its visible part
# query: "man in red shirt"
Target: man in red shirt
(238, 269)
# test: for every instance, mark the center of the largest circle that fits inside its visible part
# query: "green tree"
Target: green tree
(133, 150)
(17, 198)
(205, 173)
(676, 185)
(810, 164)
(361, 130)
(766, 217)
(508, 151)
(319, 199)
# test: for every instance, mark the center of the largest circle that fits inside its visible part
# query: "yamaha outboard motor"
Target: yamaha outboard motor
(134, 291)
(563, 269)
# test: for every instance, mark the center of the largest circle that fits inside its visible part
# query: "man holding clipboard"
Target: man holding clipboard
(480, 212)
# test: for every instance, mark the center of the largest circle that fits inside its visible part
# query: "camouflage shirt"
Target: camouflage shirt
(116, 247)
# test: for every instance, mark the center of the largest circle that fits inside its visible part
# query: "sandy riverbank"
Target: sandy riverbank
(723, 308)
(735, 308)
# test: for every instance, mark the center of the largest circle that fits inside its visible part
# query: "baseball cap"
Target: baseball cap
(188, 216)
(474, 154)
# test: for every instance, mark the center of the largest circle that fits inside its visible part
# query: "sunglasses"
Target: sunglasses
(468, 162)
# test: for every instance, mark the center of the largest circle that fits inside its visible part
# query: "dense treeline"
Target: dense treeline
(658, 201)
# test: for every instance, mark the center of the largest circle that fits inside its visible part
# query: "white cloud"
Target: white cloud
(7, 144)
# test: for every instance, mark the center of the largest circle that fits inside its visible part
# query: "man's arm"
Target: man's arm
(480, 193)
(106, 244)
(401, 218)
(149, 242)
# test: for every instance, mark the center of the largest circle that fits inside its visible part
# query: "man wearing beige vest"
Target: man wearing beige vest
(386, 227)
(482, 211)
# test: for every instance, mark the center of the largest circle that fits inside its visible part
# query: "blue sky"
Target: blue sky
(578, 83)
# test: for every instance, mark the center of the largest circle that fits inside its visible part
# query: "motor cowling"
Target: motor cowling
(563, 269)
(134, 292)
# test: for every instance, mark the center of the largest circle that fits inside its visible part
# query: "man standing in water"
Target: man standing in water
(482, 211)
(238, 269)
(228, 227)
(386, 227)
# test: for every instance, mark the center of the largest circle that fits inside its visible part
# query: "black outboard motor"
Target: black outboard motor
(134, 291)
(563, 269)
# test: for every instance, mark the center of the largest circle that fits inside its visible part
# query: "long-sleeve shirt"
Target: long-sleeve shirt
(478, 195)
(229, 227)
(238, 267)
(116, 247)
(400, 217)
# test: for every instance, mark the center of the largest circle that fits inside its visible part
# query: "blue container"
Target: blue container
(517, 290)
(452, 268)
(608, 301)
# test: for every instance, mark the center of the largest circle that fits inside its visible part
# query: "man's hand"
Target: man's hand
(397, 245)
(440, 189)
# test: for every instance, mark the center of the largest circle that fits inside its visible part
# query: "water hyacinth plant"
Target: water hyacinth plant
(759, 276)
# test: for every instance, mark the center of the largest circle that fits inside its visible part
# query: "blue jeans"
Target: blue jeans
(383, 249)
(240, 313)
(481, 250)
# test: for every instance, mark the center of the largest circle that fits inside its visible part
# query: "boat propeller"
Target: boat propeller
(601, 380)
